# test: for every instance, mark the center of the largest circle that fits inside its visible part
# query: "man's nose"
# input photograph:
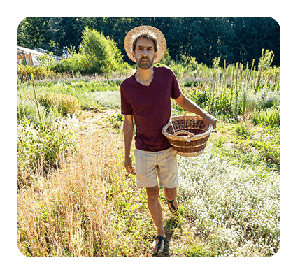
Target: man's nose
(145, 52)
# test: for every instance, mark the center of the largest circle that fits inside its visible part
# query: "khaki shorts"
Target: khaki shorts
(154, 167)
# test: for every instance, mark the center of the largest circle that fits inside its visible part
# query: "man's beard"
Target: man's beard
(145, 65)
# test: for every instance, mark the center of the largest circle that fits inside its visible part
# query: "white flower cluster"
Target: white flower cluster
(235, 206)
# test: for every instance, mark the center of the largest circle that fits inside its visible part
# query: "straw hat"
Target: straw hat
(152, 31)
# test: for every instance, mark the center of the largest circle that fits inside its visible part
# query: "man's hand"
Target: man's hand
(209, 119)
(128, 165)
(189, 105)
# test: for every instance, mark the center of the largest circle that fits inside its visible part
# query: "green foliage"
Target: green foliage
(166, 60)
(268, 117)
(201, 37)
(198, 95)
(242, 131)
(25, 73)
(41, 147)
(74, 63)
(266, 60)
(97, 54)
(36, 114)
(47, 60)
(231, 90)
(102, 52)
(117, 121)
(229, 196)
(88, 93)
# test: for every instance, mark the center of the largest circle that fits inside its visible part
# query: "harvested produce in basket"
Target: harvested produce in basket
(187, 134)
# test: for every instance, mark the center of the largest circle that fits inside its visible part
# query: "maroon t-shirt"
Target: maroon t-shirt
(150, 107)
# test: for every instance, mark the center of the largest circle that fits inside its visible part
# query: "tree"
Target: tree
(236, 39)
(97, 53)
(33, 32)
(102, 52)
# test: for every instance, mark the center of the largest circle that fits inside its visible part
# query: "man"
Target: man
(146, 102)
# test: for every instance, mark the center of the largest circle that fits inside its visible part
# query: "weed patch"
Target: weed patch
(236, 208)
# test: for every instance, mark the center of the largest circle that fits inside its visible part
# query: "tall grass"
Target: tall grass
(232, 89)
(68, 215)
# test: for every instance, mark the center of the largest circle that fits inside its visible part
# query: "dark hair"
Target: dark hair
(148, 37)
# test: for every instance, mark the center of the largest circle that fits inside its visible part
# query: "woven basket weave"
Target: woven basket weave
(187, 134)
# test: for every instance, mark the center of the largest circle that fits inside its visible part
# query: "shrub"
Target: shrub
(62, 102)
(268, 117)
(97, 54)
(27, 110)
(41, 147)
(267, 99)
(38, 72)
(197, 95)
(75, 63)
(102, 52)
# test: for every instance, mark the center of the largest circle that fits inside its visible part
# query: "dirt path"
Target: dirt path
(97, 138)
(89, 121)
(94, 126)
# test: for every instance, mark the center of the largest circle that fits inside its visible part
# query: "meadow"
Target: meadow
(75, 198)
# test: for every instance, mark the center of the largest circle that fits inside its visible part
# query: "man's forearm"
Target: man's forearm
(128, 129)
(192, 107)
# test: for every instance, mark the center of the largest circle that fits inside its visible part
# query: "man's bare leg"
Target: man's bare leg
(156, 212)
(155, 209)
(171, 194)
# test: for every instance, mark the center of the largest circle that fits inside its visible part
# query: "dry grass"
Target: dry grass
(90, 207)
(68, 214)
(65, 103)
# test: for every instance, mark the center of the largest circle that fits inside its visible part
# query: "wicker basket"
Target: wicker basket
(187, 134)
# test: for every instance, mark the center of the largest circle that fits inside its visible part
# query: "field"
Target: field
(75, 198)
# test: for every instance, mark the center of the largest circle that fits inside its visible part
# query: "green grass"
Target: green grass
(87, 92)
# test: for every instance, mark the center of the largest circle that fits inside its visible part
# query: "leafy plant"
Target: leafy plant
(25, 73)
(41, 147)
(97, 53)
(268, 117)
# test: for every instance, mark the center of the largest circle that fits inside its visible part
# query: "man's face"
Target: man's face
(144, 53)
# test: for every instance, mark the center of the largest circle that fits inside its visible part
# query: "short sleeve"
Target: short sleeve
(175, 90)
(125, 105)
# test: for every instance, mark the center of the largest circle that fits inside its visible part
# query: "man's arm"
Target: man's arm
(189, 105)
(128, 129)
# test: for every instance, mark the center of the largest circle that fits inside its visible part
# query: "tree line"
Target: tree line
(234, 39)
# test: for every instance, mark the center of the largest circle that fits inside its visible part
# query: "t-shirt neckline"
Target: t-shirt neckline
(154, 74)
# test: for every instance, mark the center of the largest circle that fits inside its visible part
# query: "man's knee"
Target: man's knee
(170, 193)
(152, 193)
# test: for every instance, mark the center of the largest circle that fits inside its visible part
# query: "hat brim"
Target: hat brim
(138, 31)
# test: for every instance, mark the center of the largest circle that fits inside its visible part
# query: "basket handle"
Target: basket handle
(191, 135)
(184, 115)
